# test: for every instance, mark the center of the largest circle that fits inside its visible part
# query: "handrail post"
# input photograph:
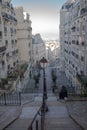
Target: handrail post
(31, 128)
(5, 98)
(20, 98)
(34, 119)
(36, 124)
(43, 113)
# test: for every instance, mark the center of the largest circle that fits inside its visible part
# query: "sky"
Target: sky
(44, 15)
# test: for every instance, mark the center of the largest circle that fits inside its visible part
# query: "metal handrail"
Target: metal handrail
(38, 112)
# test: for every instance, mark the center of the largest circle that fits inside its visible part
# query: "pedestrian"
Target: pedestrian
(63, 93)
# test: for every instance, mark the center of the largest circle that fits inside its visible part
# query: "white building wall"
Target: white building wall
(24, 32)
(73, 43)
(9, 38)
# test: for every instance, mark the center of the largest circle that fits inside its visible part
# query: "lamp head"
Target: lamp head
(43, 62)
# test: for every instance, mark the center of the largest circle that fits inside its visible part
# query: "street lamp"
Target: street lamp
(43, 63)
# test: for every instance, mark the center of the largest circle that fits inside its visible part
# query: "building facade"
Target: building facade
(52, 51)
(73, 39)
(39, 49)
(24, 34)
(8, 38)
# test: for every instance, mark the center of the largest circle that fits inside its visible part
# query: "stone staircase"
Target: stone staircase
(56, 118)
(28, 112)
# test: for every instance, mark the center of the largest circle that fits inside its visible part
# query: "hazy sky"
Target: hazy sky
(44, 15)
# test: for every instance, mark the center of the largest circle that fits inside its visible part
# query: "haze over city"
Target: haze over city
(44, 16)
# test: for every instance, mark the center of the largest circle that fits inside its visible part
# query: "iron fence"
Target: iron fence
(10, 99)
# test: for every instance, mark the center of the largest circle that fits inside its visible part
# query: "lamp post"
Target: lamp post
(43, 63)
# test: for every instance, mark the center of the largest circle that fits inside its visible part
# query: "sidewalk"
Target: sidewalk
(78, 112)
(8, 114)
(28, 112)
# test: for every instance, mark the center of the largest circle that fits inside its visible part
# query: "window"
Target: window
(5, 29)
(29, 44)
(12, 42)
(83, 43)
(6, 43)
(14, 64)
(73, 41)
(8, 66)
(0, 20)
(82, 58)
(77, 28)
(17, 51)
(83, 28)
(15, 41)
(81, 72)
(0, 35)
(77, 56)
(15, 31)
(77, 42)
(11, 30)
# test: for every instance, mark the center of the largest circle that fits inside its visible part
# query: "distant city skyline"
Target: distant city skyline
(44, 16)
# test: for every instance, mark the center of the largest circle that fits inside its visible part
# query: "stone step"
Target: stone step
(60, 124)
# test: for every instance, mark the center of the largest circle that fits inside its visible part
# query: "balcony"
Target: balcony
(2, 49)
(7, 5)
(8, 17)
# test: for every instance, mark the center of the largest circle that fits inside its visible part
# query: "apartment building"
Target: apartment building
(73, 39)
(8, 38)
(24, 33)
(39, 49)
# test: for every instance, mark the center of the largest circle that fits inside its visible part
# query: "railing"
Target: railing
(10, 99)
(35, 120)
(16, 98)
(8, 17)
